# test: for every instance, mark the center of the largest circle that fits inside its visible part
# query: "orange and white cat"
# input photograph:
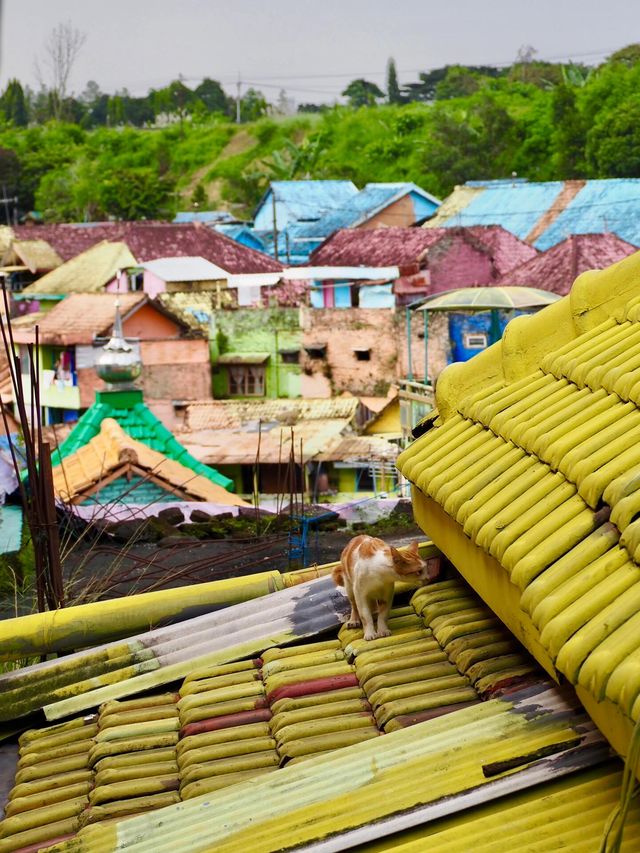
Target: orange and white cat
(368, 569)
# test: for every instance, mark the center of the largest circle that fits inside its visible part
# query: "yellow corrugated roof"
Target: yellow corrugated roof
(112, 449)
(531, 485)
(88, 272)
(564, 815)
(368, 733)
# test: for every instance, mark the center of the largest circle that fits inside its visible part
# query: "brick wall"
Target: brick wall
(458, 264)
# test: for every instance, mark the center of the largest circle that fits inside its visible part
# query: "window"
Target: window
(246, 380)
(290, 356)
(316, 350)
(136, 282)
(474, 340)
(362, 354)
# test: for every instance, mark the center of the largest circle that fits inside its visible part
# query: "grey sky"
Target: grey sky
(285, 43)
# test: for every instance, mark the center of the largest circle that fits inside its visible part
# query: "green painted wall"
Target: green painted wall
(134, 491)
(267, 330)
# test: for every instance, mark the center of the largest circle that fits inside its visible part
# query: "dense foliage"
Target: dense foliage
(118, 156)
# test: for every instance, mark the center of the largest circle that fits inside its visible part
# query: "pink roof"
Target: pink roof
(151, 240)
(556, 269)
(375, 247)
(406, 247)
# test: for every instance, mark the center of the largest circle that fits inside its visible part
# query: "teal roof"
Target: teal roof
(128, 409)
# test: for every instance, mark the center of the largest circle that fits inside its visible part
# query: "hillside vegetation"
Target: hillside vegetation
(542, 122)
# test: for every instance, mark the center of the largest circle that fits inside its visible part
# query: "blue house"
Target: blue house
(378, 205)
(299, 201)
(307, 212)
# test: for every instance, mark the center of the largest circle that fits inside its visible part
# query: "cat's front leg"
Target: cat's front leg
(384, 606)
(365, 615)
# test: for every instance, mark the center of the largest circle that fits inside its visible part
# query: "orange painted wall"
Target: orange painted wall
(400, 214)
(183, 351)
(149, 324)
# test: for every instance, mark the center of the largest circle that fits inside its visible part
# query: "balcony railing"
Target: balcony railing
(416, 401)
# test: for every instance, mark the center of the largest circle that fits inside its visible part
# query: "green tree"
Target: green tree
(613, 143)
(362, 93)
(569, 134)
(458, 82)
(629, 55)
(14, 105)
(213, 96)
(253, 105)
(394, 95)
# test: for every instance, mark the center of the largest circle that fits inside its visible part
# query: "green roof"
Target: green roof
(129, 410)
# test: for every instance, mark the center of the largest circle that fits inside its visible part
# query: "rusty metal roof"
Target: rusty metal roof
(378, 786)
(323, 710)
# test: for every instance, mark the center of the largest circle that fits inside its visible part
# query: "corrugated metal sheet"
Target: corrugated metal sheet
(377, 786)
(546, 213)
(297, 705)
(516, 206)
(565, 815)
(541, 474)
(296, 200)
(86, 679)
(601, 206)
(185, 269)
(371, 200)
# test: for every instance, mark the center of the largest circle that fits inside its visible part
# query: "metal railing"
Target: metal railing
(417, 399)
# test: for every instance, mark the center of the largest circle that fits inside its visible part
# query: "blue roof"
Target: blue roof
(308, 199)
(243, 234)
(601, 206)
(517, 206)
(304, 237)
(206, 216)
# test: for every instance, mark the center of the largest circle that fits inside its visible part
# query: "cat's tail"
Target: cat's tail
(338, 575)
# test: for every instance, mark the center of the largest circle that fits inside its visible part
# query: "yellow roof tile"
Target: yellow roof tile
(112, 449)
(536, 462)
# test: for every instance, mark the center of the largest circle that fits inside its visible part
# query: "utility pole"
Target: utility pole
(275, 224)
(238, 86)
(7, 201)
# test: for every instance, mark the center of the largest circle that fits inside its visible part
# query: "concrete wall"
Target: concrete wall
(384, 333)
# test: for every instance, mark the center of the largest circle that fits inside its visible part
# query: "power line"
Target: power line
(230, 79)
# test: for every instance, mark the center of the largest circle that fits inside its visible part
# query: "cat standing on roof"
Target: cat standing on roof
(368, 569)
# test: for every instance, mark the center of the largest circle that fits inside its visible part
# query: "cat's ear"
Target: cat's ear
(414, 548)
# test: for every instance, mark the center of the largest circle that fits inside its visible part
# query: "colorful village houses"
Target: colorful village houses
(119, 452)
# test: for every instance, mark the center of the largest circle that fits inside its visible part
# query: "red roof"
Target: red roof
(151, 240)
(406, 247)
(557, 268)
(376, 247)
